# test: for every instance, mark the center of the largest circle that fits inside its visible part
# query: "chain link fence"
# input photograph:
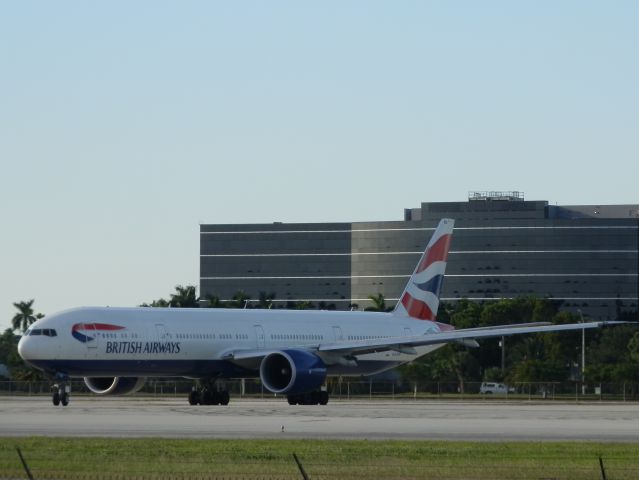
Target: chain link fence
(377, 390)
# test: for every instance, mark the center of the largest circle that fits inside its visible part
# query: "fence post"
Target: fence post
(603, 470)
(299, 465)
(28, 472)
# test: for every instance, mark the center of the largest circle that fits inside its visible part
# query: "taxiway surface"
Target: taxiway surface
(174, 418)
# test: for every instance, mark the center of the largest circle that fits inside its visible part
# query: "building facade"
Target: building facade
(503, 246)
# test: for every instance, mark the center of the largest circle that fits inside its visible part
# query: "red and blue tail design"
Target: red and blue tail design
(420, 299)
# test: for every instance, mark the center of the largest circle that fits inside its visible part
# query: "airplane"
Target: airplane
(292, 352)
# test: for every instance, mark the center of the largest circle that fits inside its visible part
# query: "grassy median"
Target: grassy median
(142, 459)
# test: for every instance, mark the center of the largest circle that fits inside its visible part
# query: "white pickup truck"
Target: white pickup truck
(495, 388)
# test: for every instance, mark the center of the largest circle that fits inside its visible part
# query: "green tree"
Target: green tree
(25, 317)
(458, 361)
(609, 356)
(239, 300)
(159, 303)
(214, 301)
(8, 345)
(633, 347)
(465, 314)
(184, 297)
(304, 305)
(379, 303)
(9, 356)
(266, 300)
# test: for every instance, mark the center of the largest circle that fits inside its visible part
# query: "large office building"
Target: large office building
(503, 246)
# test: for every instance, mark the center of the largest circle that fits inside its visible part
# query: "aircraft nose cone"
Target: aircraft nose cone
(24, 349)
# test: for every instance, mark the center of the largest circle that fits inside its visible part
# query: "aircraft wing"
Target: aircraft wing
(465, 336)
(407, 344)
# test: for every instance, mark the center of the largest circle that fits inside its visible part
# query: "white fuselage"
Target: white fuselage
(105, 341)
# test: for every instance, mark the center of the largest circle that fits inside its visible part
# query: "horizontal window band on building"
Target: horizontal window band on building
(492, 275)
(452, 252)
(425, 229)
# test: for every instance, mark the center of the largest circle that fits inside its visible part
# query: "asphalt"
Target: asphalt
(174, 418)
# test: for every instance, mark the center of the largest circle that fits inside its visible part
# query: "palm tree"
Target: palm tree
(185, 297)
(214, 301)
(159, 303)
(379, 303)
(304, 305)
(240, 299)
(266, 300)
(25, 317)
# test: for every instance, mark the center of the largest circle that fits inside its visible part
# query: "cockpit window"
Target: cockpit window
(49, 332)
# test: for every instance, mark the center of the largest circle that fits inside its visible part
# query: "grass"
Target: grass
(182, 459)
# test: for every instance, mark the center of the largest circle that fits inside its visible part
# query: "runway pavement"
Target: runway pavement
(483, 421)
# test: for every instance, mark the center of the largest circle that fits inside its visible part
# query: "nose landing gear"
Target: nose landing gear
(61, 394)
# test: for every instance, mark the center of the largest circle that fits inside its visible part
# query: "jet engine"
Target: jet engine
(292, 372)
(114, 385)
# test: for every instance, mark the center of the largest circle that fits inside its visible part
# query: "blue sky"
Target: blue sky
(124, 125)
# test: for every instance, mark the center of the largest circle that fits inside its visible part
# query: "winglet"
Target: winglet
(420, 299)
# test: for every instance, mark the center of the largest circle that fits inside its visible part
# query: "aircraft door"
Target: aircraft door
(337, 333)
(408, 332)
(259, 335)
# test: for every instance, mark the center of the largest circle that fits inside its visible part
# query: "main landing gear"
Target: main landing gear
(316, 397)
(61, 394)
(209, 393)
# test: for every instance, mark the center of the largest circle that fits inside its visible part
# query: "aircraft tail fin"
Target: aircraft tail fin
(420, 299)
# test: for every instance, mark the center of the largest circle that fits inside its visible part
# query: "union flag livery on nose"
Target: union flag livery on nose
(420, 299)
(78, 329)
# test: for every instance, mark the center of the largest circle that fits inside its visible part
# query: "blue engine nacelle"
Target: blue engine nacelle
(292, 372)
(114, 385)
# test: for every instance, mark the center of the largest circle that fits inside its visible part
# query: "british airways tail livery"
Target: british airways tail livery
(291, 351)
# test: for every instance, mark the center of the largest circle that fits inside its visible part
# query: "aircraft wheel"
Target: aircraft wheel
(323, 398)
(225, 398)
(64, 399)
(56, 398)
(206, 398)
(194, 397)
(292, 399)
(314, 398)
